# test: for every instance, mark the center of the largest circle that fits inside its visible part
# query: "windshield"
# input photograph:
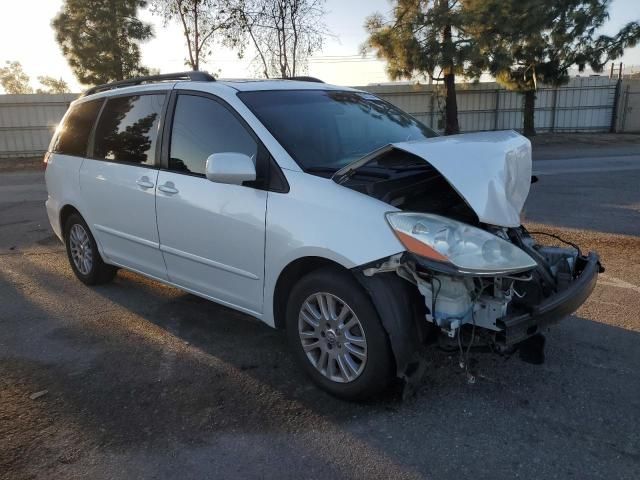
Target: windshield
(328, 129)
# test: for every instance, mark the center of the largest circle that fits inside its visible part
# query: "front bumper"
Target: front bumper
(519, 327)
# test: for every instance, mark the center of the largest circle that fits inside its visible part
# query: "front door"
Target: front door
(118, 183)
(211, 235)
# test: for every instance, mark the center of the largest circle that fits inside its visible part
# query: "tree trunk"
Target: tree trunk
(196, 42)
(529, 129)
(451, 103)
(118, 73)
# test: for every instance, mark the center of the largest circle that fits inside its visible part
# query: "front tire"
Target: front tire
(336, 335)
(83, 254)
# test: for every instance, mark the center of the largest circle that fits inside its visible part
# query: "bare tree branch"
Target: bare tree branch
(284, 33)
(200, 20)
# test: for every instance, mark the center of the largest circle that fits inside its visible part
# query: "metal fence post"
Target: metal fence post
(497, 110)
(614, 112)
(431, 108)
(624, 108)
(553, 109)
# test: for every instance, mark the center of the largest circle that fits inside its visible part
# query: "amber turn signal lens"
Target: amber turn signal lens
(419, 248)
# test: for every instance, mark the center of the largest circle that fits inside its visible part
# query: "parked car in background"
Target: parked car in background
(318, 209)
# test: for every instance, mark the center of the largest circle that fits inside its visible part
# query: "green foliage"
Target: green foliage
(422, 37)
(606, 48)
(100, 39)
(13, 79)
(415, 41)
(526, 42)
(52, 85)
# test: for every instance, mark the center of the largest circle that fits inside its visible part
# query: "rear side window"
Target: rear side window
(128, 129)
(73, 137)
(201, 127)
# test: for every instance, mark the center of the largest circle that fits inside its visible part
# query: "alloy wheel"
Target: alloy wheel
(332, 337)
(81, 251)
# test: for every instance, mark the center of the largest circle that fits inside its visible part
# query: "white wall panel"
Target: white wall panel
(584, 104)
(27, 122)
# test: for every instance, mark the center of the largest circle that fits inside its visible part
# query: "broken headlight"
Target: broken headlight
(469, 250)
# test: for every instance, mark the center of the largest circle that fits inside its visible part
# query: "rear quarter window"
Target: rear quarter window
(73, 137)
(128, 129)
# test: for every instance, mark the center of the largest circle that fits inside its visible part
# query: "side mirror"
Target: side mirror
(231, 168)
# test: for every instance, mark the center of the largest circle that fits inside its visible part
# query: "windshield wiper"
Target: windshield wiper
(402, 168)
(345, 173)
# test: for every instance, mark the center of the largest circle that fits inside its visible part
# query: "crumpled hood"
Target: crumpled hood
(491, 171)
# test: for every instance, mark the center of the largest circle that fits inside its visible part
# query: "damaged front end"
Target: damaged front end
(482, 279)
(421, 301)
(504, 309)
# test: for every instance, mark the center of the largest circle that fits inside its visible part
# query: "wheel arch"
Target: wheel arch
(288, 277)
(401, 310)
(65, 213)
(397, 302)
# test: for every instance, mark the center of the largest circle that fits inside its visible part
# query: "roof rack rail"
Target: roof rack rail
(194, 76)
(303, 79)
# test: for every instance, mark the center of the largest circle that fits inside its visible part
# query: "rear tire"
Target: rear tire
(336, 335)
(83, 254)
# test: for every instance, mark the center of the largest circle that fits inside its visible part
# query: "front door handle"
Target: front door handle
(168, 187)
(144, 182)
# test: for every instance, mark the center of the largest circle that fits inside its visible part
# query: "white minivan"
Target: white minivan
(318, 209)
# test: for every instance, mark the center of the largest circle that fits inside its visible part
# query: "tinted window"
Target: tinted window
(74, 133)
(330, 129)
(202, 126)
(128, 129)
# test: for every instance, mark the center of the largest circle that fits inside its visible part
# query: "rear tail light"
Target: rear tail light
(46, 159)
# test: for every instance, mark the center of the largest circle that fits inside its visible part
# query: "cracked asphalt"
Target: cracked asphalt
(145, 381)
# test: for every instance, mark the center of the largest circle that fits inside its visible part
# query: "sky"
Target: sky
(26, 36)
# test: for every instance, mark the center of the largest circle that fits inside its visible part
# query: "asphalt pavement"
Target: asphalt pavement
(138, 380)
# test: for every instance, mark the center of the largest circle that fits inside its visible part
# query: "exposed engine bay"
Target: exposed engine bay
(405, 181)
(481, 306)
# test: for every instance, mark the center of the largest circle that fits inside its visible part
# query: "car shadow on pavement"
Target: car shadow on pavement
(159, 367)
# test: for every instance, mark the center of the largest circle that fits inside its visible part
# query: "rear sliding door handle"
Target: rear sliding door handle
(168, 188)
(144, 182)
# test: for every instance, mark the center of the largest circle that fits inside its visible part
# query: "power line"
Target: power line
(343, 59)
